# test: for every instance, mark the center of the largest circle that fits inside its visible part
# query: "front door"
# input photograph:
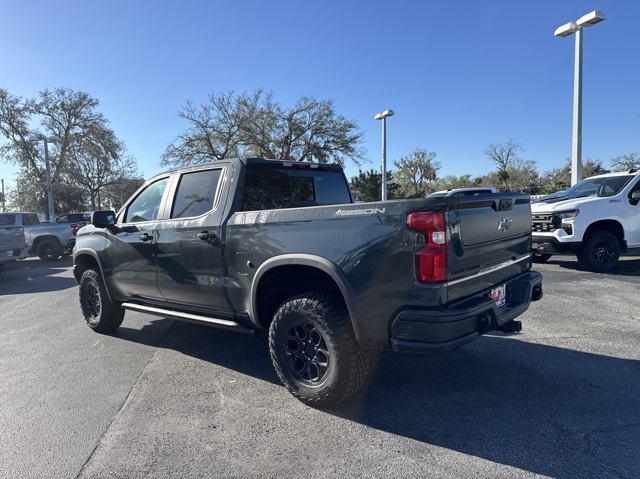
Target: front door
(132, 269)
(633, 218)
(189, 249)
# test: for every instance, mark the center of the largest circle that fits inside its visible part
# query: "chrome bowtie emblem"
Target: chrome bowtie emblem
(504, 224)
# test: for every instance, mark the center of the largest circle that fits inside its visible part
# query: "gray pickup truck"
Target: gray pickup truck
(49, 241)
(278, 246)
(12, 242)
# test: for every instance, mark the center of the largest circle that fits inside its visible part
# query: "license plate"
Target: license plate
(537, 246)
(499, 295)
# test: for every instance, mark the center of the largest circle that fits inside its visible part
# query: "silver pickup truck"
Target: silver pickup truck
(12, 242)
(49, 241)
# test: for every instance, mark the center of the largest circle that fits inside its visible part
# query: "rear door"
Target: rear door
(490, 241)
(131, 255)
(189, 244)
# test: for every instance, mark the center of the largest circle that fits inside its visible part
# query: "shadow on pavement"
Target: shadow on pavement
(626, 267)
(35, 276)
(544, 409)
(247, 354)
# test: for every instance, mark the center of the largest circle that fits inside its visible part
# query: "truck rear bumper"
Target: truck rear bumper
(416, 330)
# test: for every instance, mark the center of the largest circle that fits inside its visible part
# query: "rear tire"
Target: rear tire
(314, 350)
(100, 313)
(49, 250)
(540, 258)
(600, 252)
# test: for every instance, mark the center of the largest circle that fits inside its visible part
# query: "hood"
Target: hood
(568, 204)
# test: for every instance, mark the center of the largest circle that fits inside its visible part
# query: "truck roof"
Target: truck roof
(254, 160)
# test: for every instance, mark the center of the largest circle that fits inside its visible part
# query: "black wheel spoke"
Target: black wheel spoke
(307, 352)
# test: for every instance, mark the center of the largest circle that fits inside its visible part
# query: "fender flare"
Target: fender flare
(318, 262)
(96, 257)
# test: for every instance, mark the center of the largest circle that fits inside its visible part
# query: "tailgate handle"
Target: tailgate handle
(505, 205)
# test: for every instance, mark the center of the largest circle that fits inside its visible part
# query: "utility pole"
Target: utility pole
(3, 197)
(576, 28)
(383, 116)
(46, 141)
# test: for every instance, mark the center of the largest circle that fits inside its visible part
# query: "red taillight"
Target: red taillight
(74, 229)
(431, 259)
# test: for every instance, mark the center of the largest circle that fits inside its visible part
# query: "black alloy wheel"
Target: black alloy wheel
(307, 353)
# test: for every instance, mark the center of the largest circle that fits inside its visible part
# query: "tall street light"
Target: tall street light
(565, 30)
(46, 140)
(383, 116)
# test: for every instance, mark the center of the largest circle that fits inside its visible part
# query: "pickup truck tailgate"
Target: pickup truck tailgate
(489, 243)
(11, 238)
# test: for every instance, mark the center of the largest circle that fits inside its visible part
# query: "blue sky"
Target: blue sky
(459, 74)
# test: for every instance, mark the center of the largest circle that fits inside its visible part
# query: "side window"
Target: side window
(269, 188)
(196, 193)
(146, 206)
(30, 219)
(635, 187)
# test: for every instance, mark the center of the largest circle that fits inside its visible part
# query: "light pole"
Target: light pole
(576, 139)
(383, 116)
(46, 141)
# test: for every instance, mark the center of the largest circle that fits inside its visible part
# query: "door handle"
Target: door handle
(145, 237)
(209, 237)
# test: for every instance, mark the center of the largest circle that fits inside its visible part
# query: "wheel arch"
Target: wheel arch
(316, 268)
(84, 259)
(611, 225)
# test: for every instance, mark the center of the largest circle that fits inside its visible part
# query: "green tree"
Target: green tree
(86, 157)
(367, 186)
(451, 182)
(416, 174)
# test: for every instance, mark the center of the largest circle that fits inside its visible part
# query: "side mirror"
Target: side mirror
(635, 197)
(103, 219)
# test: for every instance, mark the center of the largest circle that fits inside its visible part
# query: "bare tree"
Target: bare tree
(231, 125)
(503, 155)
(628, 162)
(416, 173)
(86, 157)
(100, 161)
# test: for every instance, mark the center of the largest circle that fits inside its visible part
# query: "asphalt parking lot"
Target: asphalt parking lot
(169, 399)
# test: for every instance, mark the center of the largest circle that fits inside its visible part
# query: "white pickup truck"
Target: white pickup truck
(597, 220)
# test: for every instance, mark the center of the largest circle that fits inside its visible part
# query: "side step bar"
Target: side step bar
(192, 318)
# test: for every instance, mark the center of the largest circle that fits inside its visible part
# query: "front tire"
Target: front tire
(600, 252)
(314, 350)
(100, 313)
(540, 258)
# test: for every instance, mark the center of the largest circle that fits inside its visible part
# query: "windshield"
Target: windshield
(602, 187)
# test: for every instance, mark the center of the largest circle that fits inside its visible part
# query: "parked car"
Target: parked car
(255, 244)
(49, 241)
(12, 242)
(598, 219)
(80, 219)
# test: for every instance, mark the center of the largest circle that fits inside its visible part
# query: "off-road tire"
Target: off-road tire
(600, 252)
(49, 250)
(349, 365)
(105, 316)
(540, 258)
